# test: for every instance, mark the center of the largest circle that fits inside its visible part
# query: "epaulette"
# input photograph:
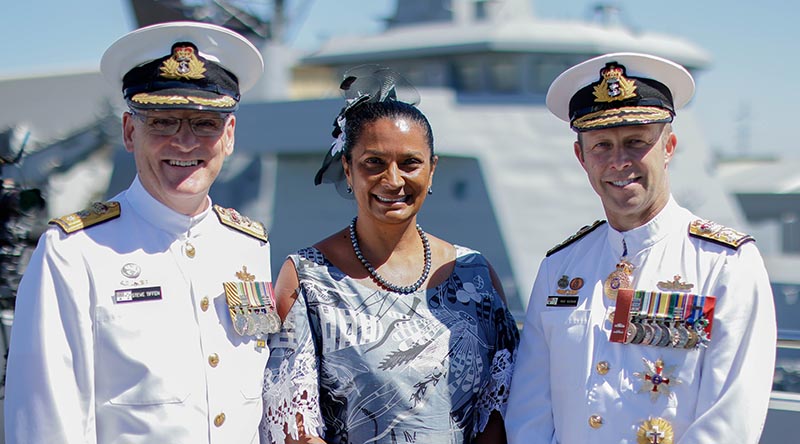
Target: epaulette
(232, 218)
(582, 232)
(97, 213)
(719, 234)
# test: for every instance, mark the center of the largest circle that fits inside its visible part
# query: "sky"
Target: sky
(745, 99)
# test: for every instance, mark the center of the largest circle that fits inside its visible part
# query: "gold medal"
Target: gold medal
(691, 342)
(619, 278)
(655, 431)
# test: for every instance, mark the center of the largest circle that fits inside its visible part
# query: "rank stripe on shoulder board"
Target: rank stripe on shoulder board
(582, 232)
(232, 218)
(97, 213)
(718, 234)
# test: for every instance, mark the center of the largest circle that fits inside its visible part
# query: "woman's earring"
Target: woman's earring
(349, 190)
(430, 190)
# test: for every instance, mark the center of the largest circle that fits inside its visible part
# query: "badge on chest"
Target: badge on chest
(137, 294)
(566, 293)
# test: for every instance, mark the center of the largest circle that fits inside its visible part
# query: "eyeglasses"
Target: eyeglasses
(206, 126)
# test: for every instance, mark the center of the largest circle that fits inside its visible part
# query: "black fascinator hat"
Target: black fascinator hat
(361, 85)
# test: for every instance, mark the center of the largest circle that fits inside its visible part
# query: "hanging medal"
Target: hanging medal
(621, 277)
(693, 338)
(252, 307)
(700, 322)
(641, 326)
(661, 320)
(651, 332)
(633, 327)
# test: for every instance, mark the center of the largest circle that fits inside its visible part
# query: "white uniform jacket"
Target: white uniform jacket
(572, 386)
(89, 364)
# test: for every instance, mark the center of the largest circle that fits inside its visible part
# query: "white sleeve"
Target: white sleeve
(739, 363)
(291, 380)
(50, 381)
(529, 417)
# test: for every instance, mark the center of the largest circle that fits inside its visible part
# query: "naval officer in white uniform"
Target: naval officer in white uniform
(655, 326)
(143, 319)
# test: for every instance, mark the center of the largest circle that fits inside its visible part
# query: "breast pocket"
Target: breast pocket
(143, 359)
(565, 327)
(566, 332)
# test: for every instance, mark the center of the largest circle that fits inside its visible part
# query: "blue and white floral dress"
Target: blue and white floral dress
(362, 365)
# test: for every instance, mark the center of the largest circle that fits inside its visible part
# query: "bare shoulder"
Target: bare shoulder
(443, 260)
(286, 288)
(441, 250)
(336, 247)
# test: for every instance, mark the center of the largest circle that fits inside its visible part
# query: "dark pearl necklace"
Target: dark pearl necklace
(426, 245)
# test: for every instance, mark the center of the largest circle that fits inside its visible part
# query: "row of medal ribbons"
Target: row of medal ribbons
(252, 308)
(660, 319)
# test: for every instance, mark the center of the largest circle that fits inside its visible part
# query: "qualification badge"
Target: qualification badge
(656, 379)
(251, 305)
(674, 285)
(655, 431)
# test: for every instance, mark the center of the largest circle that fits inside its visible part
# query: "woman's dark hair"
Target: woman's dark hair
(366, 113)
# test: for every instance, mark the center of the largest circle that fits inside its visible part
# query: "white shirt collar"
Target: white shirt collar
(159, 214)
(670, 219)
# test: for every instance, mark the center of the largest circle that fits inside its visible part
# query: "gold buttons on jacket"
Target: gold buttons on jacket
(204, 304)
(189, 250)
(595, 421)
(213, 360)
(219, 420)
(602, 367)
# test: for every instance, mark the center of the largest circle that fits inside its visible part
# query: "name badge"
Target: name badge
(137, 294)
(562, 301)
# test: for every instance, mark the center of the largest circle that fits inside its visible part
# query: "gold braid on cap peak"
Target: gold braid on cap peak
(634, 114)
(153, 99)
(221, 102)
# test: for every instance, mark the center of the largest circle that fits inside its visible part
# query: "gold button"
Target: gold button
(213, 360)
(219, 420)
(204, 304)
(189, 250)
(595, 421)
(602, 367)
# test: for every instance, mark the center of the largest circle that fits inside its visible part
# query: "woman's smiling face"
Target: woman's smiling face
(390, 169)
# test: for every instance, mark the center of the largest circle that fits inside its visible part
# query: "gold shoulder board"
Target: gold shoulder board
(719, 234)
(232, 218)
(582, 232)
(97, 213)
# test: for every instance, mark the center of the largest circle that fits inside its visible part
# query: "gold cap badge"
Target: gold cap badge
(614, 86)
(183, 64)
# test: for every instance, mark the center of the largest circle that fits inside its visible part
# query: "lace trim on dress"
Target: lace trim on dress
(495, 395)
(293, 387)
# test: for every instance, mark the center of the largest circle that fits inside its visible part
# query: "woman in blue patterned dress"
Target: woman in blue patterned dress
(390, 335)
